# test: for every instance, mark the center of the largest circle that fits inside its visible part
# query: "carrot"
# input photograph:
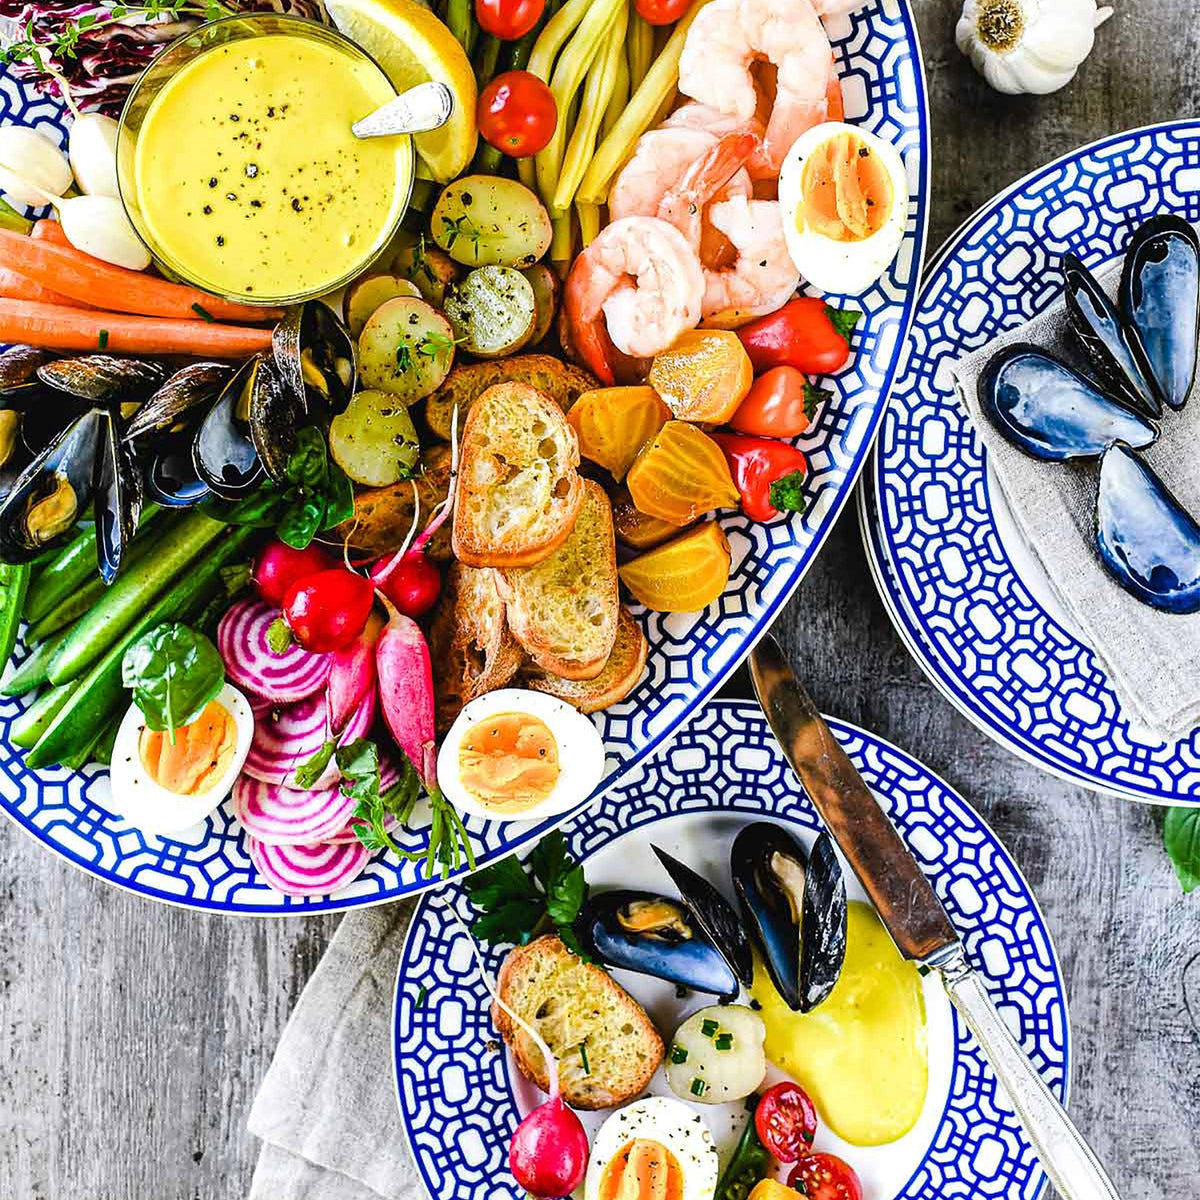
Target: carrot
(77, 274)
(17, 287)
(56, 327)
(46, 230)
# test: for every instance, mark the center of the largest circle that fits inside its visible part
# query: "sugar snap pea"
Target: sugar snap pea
(14, 586)
(28, 728)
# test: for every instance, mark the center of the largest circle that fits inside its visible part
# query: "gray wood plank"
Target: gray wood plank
(133, 1036)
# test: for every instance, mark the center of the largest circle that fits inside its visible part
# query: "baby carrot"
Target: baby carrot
(17, 287)
(46, 230)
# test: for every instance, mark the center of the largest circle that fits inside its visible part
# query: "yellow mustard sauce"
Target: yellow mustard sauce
(249, 178)
(862, 1055)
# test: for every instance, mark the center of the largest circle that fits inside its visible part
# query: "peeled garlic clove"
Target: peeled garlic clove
(31, 157)
(92, 149)
(98, 226)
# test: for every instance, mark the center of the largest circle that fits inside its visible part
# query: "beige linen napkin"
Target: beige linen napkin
(1152, 659)
(326, 1110)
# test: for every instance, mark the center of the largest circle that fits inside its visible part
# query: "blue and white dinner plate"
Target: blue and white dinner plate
(460, 1096)
(880, 64)
(963, 590)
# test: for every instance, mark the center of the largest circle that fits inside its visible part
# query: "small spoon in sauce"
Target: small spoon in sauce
(418, 110)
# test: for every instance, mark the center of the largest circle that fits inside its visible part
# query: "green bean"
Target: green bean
(28, 728)
(487, 55)
(589, 223)
(459, 19)
(515, 55)
(488, 160)
(14, 586)
(11, 219)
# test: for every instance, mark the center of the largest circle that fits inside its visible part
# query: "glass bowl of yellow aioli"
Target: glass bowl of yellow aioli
(238, 167)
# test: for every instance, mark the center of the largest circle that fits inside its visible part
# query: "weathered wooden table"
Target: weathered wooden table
(133, 1036)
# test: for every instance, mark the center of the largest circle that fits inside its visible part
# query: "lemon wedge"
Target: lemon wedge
(413, 46)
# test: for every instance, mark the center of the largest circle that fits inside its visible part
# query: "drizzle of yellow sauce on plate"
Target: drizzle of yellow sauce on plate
(862, 1054)
(248, 177)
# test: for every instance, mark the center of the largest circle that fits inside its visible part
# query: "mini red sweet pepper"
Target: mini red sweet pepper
(769, 474)
(806, 333)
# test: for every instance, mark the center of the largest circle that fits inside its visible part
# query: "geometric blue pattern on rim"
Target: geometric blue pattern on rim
(455, 1096)
(691, 654)
(727, 760)
(946, 577)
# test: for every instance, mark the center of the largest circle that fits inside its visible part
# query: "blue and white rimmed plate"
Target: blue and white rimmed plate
(963, 590)
(460, 1097)
(880, 65)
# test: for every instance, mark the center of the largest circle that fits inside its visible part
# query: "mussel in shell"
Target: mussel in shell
(118, 496)
(223, 451)
(1147, 541)
(1052, 412)
(1159, 298)
(316, 358)
(275, 413)
(1108, 343)
(19, 371)
(655, 935)
(104, 378)
(170, 474)
(714, 914)
(795, 904)
(180, 399)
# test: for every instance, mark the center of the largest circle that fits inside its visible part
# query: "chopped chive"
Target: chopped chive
(698, 1086)
(203, 313)
(724, 1041)
(422, 996)
(587, 1070)
(678, 1055)
(103, 339)
(709, 1028)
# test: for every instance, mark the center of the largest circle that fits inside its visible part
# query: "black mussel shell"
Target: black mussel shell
(48, 497)
(714, 914)
(180, 399)
(1051, 412)
(795, 904)
(19, 372)
(117, 497)
(41, 423)
(654, 935)
(316, 358)
(276, 414)
(104, 378)
(1159, 299)
(1106, 341)
(1147, 541)
(170, 475)
(223, 451)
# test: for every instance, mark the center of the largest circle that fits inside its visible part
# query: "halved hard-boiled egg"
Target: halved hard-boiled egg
(843, 193)
(653, 1147)
(518, 755)
(164, 786)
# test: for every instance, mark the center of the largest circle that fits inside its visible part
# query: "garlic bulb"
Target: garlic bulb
(92, 148)
(35, 164)
(1028, 45)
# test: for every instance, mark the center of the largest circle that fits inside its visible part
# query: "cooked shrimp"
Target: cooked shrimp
(660, 160)
(642, 280)
(702, 118)
(724, 46)
(763, 276)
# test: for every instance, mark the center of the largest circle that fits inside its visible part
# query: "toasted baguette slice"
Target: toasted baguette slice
(564, 610)
(471, 647)
(562, 382)
(621, 674)
(571, 1004)
(518, 487)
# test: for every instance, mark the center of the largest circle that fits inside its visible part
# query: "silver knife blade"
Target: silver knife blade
(884, 865)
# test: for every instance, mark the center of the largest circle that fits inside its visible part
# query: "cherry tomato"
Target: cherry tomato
(786, 1121)
(825, 1177)
(413, 586)
(806, 333)
(508, 19)
(278, 566)
(517, 114)
(661, 12)
(328, 610)
(781, 403)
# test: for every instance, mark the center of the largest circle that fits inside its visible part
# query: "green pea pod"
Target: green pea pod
(14, 586)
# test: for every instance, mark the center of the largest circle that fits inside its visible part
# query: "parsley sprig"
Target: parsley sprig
(519, 902)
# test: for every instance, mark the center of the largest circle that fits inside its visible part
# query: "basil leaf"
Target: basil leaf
(1181, 836)
(173, 672)
(308, 464)
(339, 497)
(301, 520)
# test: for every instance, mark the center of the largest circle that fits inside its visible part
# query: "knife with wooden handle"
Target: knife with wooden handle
(914, 916)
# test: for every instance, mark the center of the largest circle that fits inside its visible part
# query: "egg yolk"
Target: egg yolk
(642, 1170)
(199, 756)
(509, 762)
(846, 191)
(861, 1055)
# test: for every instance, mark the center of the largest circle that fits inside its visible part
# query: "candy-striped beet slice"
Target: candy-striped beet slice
(282, 816)
(250, 661)
(313, 870)
(288, 735)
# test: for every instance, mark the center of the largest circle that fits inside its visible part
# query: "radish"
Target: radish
(352, 675)
(278, 566)
(406, 690)
(548, 1154)
(328, 610)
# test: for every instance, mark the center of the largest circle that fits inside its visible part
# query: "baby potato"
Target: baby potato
(406, 348)
(373, 440)
(484, 220)
(370, 292)
(493, 311)
(431, 270)
(546, 289)
(717, 1055)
